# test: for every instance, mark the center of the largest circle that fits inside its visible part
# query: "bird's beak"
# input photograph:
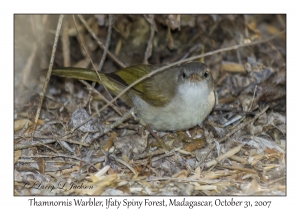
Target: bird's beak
(195, 78)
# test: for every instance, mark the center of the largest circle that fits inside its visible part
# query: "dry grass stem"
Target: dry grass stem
(225, 155)
(48, 73)
(148, 52)
(124, 163)
(110, 23)
(66, 44)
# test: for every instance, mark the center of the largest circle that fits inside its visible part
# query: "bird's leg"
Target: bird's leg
(159, 141)
(149, 129)
(119, 121)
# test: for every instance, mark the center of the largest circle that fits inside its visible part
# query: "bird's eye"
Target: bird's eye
(183, 75)
(205, 74)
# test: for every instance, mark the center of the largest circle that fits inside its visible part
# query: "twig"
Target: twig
(190, 51)
(244, 124)
(119, 121)
(250, 107)
(206, 187)
(148, 52)
(233, 120)
(28, 135)
(164, 155)
(232, 110)
(110, 20)
(102, 171)
(65, 156)
(108, 38)
(134, 127)
(48, 140)
(100, 43)
(252, 99)
(273, 181)
(184, 152)
(88, 55)
(34, 144)
(161, 152)
(54, 150)
(228, 154)
(187, 179)
(239, 159)
(48, 73)
(92, 89)
(81, 43)
(153, 170)
(74, 142)
(124, 163)
(149, 154)
(65, 44)
(247, 170)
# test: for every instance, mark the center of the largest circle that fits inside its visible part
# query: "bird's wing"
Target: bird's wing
(153, 90)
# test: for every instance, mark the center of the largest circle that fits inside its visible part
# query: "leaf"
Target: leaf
(19, 124)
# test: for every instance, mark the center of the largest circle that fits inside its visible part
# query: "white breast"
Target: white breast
(192, 103)
(198, 102)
